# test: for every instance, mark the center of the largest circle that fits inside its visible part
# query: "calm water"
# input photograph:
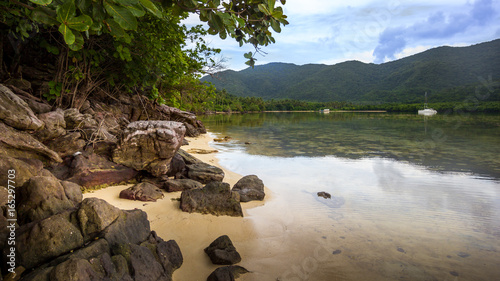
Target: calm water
(413, 198)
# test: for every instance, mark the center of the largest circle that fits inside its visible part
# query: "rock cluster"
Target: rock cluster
(57, 153)
(222, 251)
(50, 156)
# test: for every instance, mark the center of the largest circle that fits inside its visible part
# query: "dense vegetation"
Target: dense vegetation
(448, 74)
(137, 46)
(222, 101)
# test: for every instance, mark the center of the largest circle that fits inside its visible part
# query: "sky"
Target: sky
(376, 31)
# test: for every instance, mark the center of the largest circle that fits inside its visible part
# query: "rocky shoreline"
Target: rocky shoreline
(51, 155)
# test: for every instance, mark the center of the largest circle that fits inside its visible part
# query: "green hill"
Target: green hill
(447, 73)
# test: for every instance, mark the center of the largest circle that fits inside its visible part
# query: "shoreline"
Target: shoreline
(193, 231)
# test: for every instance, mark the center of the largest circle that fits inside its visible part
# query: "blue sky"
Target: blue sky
(376, 31)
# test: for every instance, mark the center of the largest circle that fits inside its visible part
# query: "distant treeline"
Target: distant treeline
(222, 101)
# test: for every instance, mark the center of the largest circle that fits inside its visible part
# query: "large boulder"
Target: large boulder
(95, 215)
(215, 198)
(130, 227)
(55, 126)
(42, 197)
(16, 113)
(149, 145)
(250, 188)
(143, 191)
(22, 168)
(222, 251)
(142, 262)
(43, 240)
(22, 145)
(204, 173)
(175, 185)
(93, 170)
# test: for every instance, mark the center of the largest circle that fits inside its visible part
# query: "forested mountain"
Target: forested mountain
(446, 73)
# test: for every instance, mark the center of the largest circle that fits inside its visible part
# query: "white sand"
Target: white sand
(193, 232)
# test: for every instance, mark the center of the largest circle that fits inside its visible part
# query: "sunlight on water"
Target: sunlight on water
(391, 216)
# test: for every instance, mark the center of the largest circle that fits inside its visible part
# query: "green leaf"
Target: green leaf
(136, 10)
(80, 23)
(151, 7)
(66, 11)
(263, 9)
(248, 55)
(41, 2)
(78, 44)
(275, 25)
(271, 4)
(115, 29)
(83, 5)
(69, 37)
(121, 15)
(44, 15)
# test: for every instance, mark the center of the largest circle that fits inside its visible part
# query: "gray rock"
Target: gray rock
(24, 169)
(222, 251)
(250, 188)
(55, 126)
(16, 113)
(170, 255)
(215, 198)
(95, 215)
(143, 191)
(75, 269)
(43, 240)
(177, 167)
(205, 173)
(227, 273)
(22, 145)
(188, 158)
(130, 227)
(66, 145)
(42, 197)
(142, 263)
(76, 120)
(149, 145)
(181, 185)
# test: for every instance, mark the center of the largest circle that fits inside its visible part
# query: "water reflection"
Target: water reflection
(412, 198)
(441, 143)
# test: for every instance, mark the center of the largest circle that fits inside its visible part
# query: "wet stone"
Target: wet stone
(463, 255)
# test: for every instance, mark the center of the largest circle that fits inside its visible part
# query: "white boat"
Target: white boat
(427, 111)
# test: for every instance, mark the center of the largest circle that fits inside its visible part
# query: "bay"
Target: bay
(413, 197)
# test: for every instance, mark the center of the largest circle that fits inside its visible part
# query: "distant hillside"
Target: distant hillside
(447, 73)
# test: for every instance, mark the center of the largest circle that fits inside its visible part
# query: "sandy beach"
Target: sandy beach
(193, 232)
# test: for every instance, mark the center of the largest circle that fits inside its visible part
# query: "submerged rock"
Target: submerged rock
(222, 251)
(215, 198)
(250, 188)
(325, 195)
